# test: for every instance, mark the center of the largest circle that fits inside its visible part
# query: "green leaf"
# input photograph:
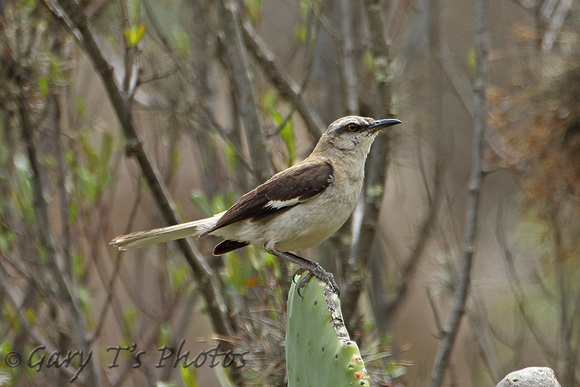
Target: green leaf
(254, 10)
(223, 376)
(231, 156)
(85, 300)
(179, 276)
(87, 147)
(41, 252)
(134, 9)
(396, 370)
(200, 200)
(304, 8)
(174, 158)
(28, 6)
(54, 66)
(133, 35)
(165, 335)
(78, 265)
(106, 149)
(5, 347)
(299, 33)
(7, 239)
(43, 86)
(69, 157)
(80, 108)
(12, 319)
(368, 60)
(287, 135)
(188, 376)
(233, 273)
(471, 60)
(219, 204)
(129, 317)
(181, 41)
(269, 101)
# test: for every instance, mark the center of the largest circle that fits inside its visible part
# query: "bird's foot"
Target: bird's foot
(313, 268)
(316, 271)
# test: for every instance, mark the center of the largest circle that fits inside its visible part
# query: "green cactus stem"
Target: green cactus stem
(319, 351)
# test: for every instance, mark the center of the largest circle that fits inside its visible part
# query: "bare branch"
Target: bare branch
(114, 275)
(475, 182)
(156, 76)
(191, 78)
(347, 65)
(376, 165)
(456, 77)
(521, 298)
(122, 106)
(244, 90)
(435, 311)
(287, 89)
(32, 332)
(478, 322)
(44, 234)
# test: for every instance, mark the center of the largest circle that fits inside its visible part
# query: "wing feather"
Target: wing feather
(283, 191)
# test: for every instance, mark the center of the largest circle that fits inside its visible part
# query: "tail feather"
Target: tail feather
(164, 234)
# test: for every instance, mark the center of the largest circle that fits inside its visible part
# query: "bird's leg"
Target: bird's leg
(313, 268)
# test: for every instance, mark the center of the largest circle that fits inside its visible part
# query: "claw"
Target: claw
(298, 291)
(303, 281)
(298, 273)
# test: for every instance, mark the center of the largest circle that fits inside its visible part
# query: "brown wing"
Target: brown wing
(280, 193)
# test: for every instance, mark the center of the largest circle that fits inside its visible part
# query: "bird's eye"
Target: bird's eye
(352, 127)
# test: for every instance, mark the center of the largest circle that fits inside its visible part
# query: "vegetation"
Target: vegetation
(460, 264)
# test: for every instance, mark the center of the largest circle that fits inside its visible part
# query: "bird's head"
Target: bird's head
(354, 134)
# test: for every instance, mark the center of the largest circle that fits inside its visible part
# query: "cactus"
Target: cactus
(319, 351)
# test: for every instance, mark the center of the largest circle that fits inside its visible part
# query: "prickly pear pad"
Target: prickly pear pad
(319, 351)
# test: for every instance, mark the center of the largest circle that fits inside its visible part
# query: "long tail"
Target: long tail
(164, 234)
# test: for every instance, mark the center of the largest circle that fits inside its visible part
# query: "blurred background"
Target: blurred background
(119, 116)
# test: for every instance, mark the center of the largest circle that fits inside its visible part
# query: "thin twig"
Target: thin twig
(436, 317)
(244, 90)
(209, 119)
(346, 62)
(479, 327)
(115, 274)
(565, 323)
(44, 234)
(35, 336)
(473, 202)
(156, 76)
(456, 77)
(122, 106)
(287, 89)
(364, 234)
(522, 302)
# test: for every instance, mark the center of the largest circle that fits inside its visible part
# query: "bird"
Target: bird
(296, 209)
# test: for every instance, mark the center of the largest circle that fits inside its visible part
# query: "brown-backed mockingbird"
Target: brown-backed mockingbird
(295, 209)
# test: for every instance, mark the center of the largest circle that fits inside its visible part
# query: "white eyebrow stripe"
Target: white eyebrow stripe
(282, 203)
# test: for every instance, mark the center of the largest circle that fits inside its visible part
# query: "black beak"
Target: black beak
(381, 124)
